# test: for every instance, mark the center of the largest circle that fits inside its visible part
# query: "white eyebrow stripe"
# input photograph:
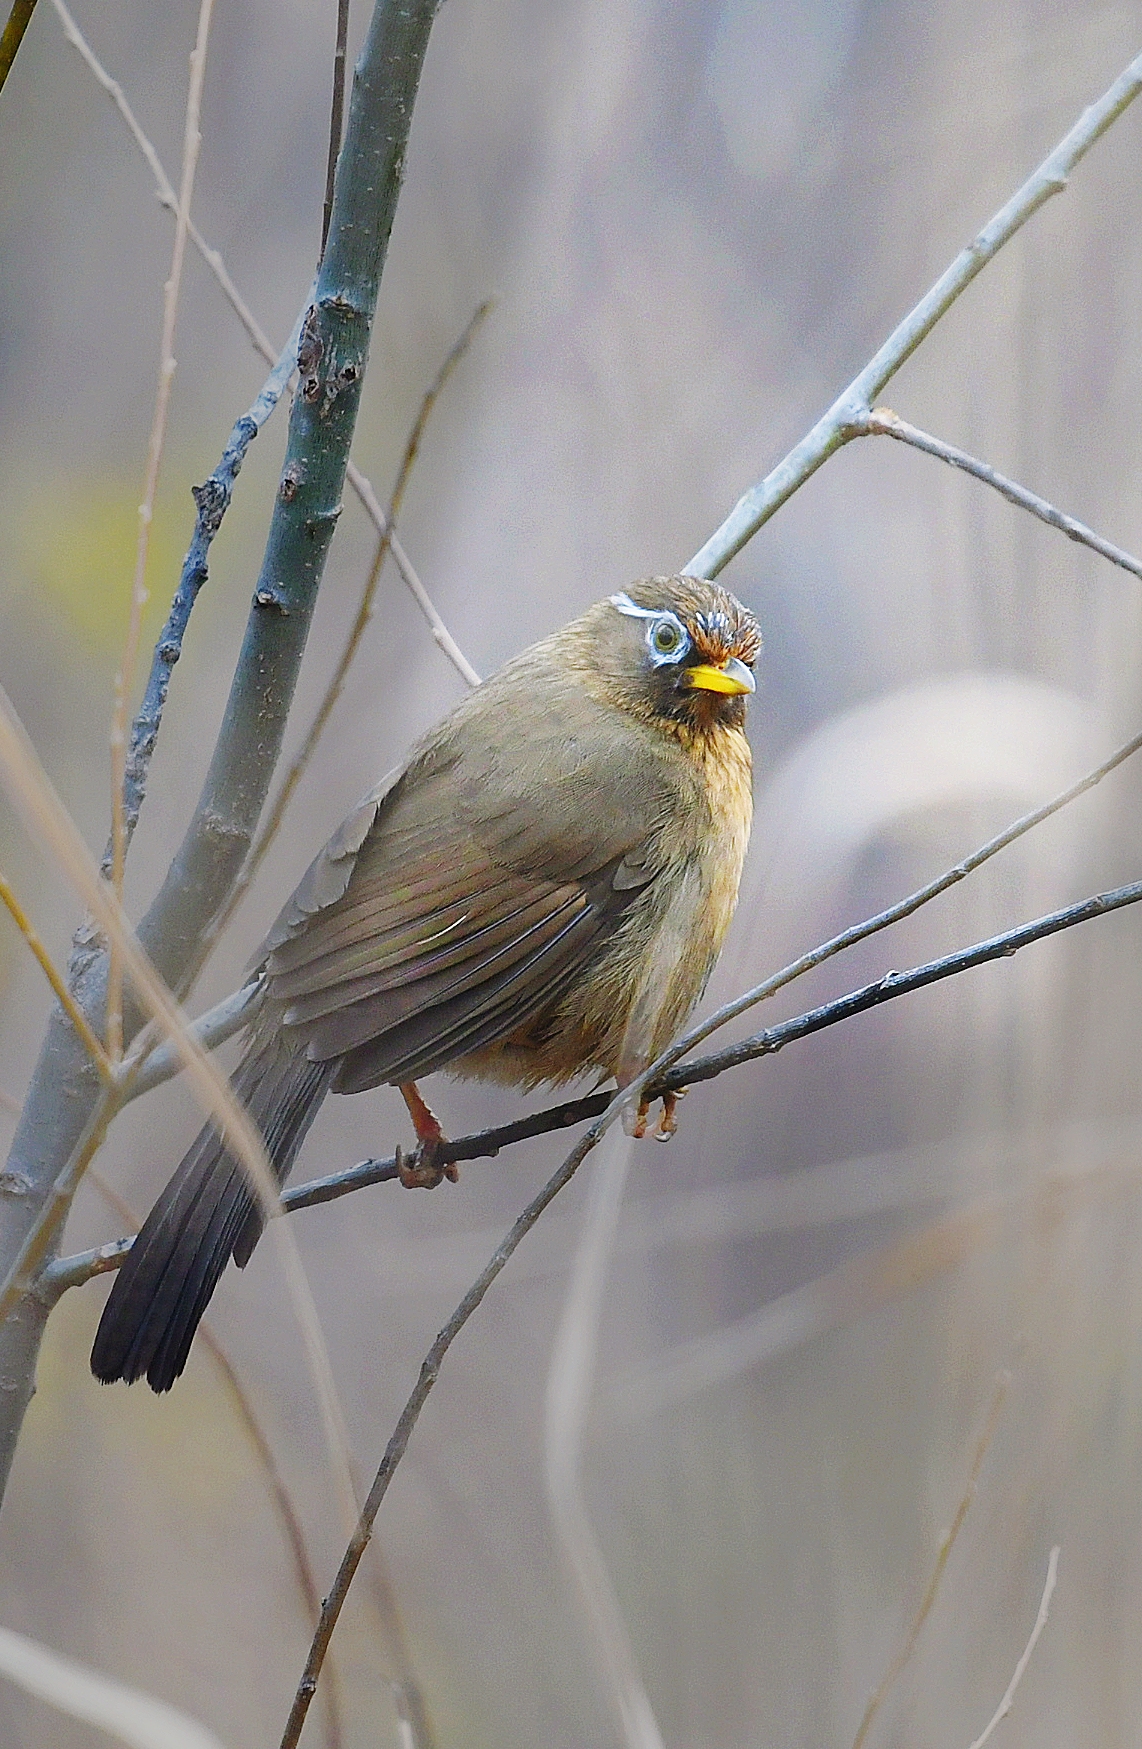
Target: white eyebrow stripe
(627, 606)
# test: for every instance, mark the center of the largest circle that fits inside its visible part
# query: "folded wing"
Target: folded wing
(432, 927)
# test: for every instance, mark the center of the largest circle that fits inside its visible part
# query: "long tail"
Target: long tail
(206, 1215)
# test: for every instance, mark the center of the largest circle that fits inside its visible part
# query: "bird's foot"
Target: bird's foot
(423, 1169)
(668, 1117)
(667, 1124)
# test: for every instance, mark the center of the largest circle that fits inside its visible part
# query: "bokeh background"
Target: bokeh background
(699, 218)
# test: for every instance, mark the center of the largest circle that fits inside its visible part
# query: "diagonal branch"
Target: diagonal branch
(883, 422)
(843, 419)
(272, 824)
(213, 259)
(661, 1076)
(332, 357)
(32, 792)
(1008, 1700)
(163, 185)
(63, 995)
(906, 1649)
(124, 677)
(230, 1015)
(13, 34)
(212, 500)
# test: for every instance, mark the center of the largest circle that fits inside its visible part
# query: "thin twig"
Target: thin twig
(336, 116)
(1006, 1703)
(908, 1646)
(883, 422)
(212, 500)
(287, 1512)
(164, 188)
(58, 983)
(441, 636)
(211, 1030)
(663, 1076)
(658, 1076)
(213, 259)
(13, 35)
(60, 1098)
(906, 907)
(192, 140)
(843, 419)
(395, 1449)
(269, 830)
(230, 1015)
(31, 790)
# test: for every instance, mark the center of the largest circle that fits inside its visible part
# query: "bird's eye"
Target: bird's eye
(666, 638)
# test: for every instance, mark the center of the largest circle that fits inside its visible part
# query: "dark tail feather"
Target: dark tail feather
(206, 1215)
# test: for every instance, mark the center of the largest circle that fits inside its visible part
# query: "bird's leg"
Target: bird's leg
(423, 1170)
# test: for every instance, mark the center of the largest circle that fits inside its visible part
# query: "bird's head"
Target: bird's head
(677, 650)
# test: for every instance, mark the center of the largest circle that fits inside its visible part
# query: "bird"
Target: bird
(539, 891)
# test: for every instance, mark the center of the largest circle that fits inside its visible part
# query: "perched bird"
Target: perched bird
(541, 889)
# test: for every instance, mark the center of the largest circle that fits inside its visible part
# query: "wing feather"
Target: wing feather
(467, 891)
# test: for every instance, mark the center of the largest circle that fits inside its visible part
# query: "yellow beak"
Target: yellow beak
(730, 676)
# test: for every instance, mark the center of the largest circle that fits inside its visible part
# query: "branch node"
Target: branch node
(271, 598)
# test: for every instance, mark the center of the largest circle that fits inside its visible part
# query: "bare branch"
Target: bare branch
(213, 259)
(55, 978)
(410, 1414)
(163, 186)
(335, 118)
(442, 637)
(659, 1077)
(212, 500)
(230, 1015)
(906, 1649)
(13, 35)
(1006, 1703)
(192, 140)
(31, 791)
(332, 358)
(844, 418)
(272, 825)
(883, 422)
(662, 1076)
(211, 1030)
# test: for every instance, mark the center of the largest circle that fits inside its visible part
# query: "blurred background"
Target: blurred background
(699, 219)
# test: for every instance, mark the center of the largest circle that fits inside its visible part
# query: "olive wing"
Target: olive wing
(466, 901)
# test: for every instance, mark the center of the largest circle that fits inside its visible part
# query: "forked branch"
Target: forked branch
(844, 419)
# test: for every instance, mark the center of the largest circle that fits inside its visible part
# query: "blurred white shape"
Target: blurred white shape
(135, 1718)
(771, 63)
(953, 741)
